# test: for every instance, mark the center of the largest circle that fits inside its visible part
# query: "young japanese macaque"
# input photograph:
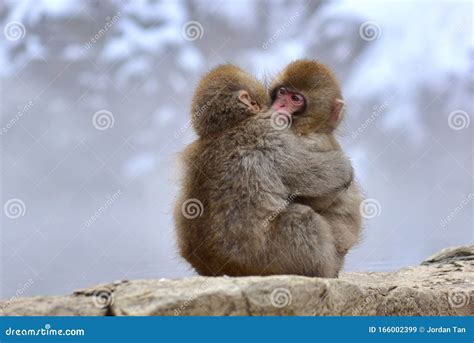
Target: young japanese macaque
(312, 84)
(240, 177)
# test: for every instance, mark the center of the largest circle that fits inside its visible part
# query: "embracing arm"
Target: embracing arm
(314, 174)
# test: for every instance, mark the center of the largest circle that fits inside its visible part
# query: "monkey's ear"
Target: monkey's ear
(244, 97)
(336, 113)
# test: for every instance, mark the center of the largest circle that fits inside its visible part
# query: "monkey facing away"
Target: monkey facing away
(241, 173)
(315, 85)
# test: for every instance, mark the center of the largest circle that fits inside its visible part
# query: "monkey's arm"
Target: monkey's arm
(315, 174)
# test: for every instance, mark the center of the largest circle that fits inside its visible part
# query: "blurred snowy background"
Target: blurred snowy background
(95, 100)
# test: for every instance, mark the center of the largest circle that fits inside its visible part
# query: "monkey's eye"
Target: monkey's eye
(297, 98)
(282, 91)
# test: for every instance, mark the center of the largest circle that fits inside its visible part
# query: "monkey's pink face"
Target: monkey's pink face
(288, 101)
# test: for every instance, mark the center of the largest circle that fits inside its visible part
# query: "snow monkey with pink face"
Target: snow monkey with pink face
(311, 92)
(245, 172)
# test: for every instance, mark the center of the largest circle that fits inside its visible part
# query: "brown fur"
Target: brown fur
(321, 90)
(214, 92)
(245, 173)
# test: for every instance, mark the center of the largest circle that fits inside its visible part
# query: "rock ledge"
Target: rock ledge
(442, 285)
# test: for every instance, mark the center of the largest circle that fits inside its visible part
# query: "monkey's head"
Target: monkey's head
(309, 91)
(223, 98)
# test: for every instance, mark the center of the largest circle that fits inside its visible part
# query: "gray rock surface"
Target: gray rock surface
(442, 285)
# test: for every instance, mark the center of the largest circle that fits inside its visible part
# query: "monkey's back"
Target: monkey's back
(234, 176)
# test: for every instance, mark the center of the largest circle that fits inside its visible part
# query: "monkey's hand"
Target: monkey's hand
(318, 174)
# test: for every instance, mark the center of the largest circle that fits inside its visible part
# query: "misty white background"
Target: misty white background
(406, 70)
